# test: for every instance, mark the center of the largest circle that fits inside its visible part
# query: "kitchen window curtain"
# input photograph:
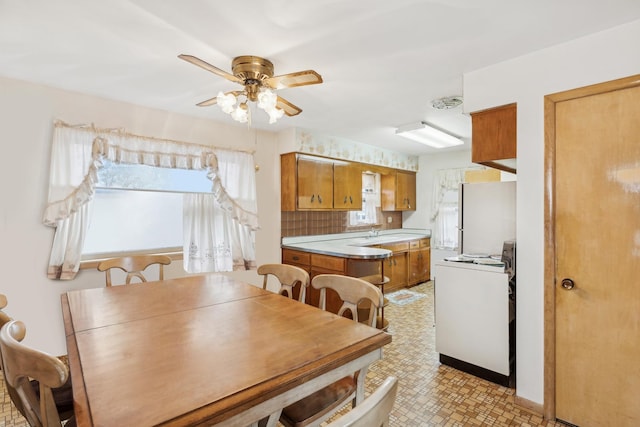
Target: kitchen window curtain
(213, 240)
(77, 154)
(444, 211)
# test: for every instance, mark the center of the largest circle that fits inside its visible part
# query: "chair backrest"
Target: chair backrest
(374, 410)
(13, 394)
(20, 364)
(288, 276)
(134, 266)
(351, 291)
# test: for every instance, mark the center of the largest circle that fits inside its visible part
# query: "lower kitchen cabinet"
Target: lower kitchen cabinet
(409, 264)
(316, 264)
(419, 261)
(396, 267)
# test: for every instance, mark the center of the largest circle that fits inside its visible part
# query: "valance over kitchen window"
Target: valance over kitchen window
(78, 153)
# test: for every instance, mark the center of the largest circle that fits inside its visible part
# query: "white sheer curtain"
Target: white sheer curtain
(77, 154)
(213, 239)
(444, 213)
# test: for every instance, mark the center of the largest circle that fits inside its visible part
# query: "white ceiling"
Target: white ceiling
(382, 61)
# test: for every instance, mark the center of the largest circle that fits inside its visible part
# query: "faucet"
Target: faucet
(373, 232)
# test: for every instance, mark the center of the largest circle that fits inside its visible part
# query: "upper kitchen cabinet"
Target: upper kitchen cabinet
(398, 191)
(347, 186)
(493, 137)
(319, 183)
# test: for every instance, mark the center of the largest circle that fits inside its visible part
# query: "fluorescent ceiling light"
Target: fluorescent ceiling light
(423, 133)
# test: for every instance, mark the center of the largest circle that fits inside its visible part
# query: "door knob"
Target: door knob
(567, 284)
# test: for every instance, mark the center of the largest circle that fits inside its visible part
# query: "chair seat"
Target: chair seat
(315, 405)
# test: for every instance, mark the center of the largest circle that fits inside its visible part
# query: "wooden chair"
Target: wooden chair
(379, 280)
(374, 410)
(134, 266)
(20, 365)
(63, 396)
(317, 407)
(288, 276)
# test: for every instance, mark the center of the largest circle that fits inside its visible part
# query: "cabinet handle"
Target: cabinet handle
(345, 200)
(313, 196)
(319, 199)
(351, 199)
(408, 203)
(296, 258)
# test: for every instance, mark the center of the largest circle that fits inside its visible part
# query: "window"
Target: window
(80, 152)
(444, 213)
(446, 224)
(133, 202)
(370, 201)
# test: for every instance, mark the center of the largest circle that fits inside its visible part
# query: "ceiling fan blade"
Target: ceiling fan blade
(300, 78)
(289, 108)
(215, 70)
(214, 100)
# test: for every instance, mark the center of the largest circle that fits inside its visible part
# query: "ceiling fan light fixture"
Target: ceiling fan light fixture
(274, 114)
(241, 114)
(267, 99)
(226, 102)
(423, 133)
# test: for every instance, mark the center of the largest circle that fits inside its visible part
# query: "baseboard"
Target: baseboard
(494, 377)
(527, 405)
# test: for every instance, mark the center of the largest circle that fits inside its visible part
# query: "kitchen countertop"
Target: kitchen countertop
(353, 244)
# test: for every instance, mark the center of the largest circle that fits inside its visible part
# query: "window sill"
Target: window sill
(92, 261)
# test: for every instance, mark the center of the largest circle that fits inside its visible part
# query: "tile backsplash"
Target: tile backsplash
(302, 223)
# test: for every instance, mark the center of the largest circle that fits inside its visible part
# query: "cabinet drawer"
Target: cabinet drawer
(296, 257)
(328, 262)
(396, 247)
(425, 243)
(414, 244)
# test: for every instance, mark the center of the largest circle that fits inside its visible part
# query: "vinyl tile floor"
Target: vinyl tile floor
(429, 394)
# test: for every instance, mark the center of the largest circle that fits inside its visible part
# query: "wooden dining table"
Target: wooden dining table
(203, 350)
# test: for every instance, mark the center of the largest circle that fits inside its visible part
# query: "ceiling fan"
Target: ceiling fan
(256, 75)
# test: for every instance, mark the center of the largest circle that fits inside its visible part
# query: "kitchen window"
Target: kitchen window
(219, 223)
(370, 201)
(132, 203)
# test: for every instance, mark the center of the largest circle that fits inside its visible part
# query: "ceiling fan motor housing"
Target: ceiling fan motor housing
(252, 68)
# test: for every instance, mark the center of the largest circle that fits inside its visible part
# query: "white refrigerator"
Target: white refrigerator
(487, 217)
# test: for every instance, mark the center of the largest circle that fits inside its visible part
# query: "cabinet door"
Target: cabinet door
(419, 265)
(494, 137)
(398, 191)
(347, 186)
(325, 264)
(406, 191)
(315, 184)
(395, 268)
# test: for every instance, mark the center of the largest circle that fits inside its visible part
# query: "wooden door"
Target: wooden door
(347, 186)
(315, 184)
(597, 254)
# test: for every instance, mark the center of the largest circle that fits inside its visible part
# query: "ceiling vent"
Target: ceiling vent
(446, 103)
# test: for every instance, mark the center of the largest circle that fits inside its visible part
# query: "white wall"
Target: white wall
(27, 112)
(604, 56)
